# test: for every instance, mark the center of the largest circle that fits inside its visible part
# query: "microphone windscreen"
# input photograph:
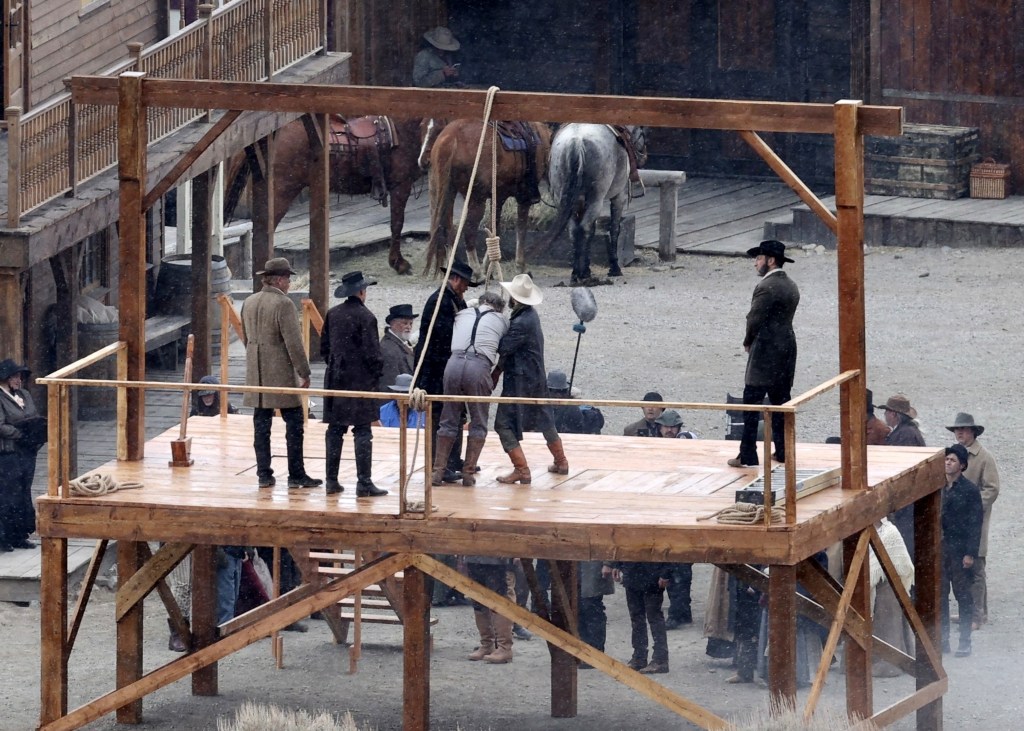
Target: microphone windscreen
(583, 304)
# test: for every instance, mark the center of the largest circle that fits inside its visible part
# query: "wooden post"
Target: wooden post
(129, 634)
(269, 64)
(263, 216)
(858, 659)
(131, 162)
(53, 622)
(204, 615)
(669, 195)
(319, 220)
(206, 49)
(11, 320)
(849, 150)
(13, 116)
(928, 597)
(416, 621)
(564, 680)
(202, 233)
(782, 634)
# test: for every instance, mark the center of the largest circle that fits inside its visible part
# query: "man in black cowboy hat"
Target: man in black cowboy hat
(351, 350)
(394, 345)
(435, 351)
(275, 357)
(771, 343)
(961, 534)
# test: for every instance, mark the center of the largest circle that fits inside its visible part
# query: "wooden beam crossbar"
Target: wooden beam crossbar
(140, 584)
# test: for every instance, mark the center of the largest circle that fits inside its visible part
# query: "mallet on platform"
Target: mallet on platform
(181, 448)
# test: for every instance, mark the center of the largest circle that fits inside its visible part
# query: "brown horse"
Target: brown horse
(451, 164)
(388, 173)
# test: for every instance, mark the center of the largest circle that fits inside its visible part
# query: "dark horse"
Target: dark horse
(375, 155)
(451, 164)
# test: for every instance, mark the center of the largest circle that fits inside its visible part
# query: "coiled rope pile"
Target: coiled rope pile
(97, 484)
(746, 514)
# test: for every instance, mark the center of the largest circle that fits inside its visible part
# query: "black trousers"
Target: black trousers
(645, 609)
(746, 628)
(17, 512)
(593, 621)
(961, 580)
(679, 593)
(748, 442)
(293, 436)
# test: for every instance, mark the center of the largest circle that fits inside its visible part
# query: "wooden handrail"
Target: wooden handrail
(311, 316)
(62, 373)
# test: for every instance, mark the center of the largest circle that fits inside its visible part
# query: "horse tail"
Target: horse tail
(572, 161)
(442, 201)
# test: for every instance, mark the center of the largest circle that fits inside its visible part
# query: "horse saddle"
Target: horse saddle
(368, 141)
(517, 136)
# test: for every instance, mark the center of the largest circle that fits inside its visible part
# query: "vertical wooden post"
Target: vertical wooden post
(13, 116)
(263, 214)
(790, 442)
(131, 164)
(669, 202)
(129, 634)
(928, 597)
(204, 615)
(269, 64)
(564, 679)
(849, 144)
(859, 698)
(11, 315)
(53, 622)
(72, 151)
(319, 220)
(206, 62)
(416, 621)
(202, 232)
(782, 634)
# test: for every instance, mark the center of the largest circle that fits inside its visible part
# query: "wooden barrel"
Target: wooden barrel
(173, 295)
(97, 403)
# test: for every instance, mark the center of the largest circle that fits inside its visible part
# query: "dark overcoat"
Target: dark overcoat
(770, 335)
(274, 355)
(439, 349)
(962, 514)
(398, 359)
(521, 359)
(350, 347)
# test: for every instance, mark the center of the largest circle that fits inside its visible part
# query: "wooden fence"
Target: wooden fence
(57, 146)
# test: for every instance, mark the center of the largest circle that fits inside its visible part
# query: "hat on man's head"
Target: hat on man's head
(901, 405)
(961, 452)
(402, 383)
(442, 39)
(462, 269)
(669, 417)
(9, 368)
(401, 312)
(870, 399)
(652, 396)
(278, 267)
(207, 391)
(772, 248)
(522, 289)
(351, 284)
(557, 381)
(966, 420)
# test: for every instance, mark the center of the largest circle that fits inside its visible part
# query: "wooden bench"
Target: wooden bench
(668, 182)
(164, 333)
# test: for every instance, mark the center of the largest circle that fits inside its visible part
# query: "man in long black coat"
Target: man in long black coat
(350, 346)
(771, 343)
(438, 348)
(962, 514)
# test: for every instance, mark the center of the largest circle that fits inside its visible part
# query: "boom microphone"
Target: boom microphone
(583, 303)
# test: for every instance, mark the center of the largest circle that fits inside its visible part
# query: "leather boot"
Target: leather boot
(174, 642)
(521, 470)
(502, 639)
(364, 466)
(474, 446)
(483, 623)
(334, 442)
(561, 465)
(442, 450)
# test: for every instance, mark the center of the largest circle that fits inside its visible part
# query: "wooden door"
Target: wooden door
(14, 20)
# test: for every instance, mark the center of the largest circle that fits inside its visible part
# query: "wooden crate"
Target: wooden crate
(990, 179)
(926, 161)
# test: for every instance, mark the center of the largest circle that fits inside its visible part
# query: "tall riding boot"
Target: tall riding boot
(175, 643)
(502, 638)
(484, 624)
(561, 465)
(474, 445)
(364, 465)
(443, 448)
(334, 442)
(520, 472)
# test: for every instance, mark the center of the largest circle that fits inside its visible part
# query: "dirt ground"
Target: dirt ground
(940, 327)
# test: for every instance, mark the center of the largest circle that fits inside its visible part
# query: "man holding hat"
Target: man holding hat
(351, 350)
(771, 343)
(433, 65)
(983, 472)
(394, 345)
(521, 359)
(449, 300)
(961, 534)
(275, 358)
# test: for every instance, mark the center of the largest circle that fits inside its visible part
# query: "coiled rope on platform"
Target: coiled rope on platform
(98, 484)
(746, 514)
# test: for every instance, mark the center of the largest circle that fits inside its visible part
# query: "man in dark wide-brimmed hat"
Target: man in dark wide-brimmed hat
(771, 343)
(961, 533)
(901, 418)
(394, 345)
(983, 472)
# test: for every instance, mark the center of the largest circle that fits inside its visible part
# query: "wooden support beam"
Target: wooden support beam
(782, 635)
(201, 269)
(261, 162)
(137, 587)
(416, 655)
(928, 602)
(565, 610)
(129, 636)
(858, 657)
(12, 321)
(204, 615)
(85, 592)
(53, 618)
(319, 221)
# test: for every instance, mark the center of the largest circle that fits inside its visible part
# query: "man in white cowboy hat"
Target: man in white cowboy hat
(521, 359)
(275, 358)
(394, 344)
(434, 65)
(983, 471)
(771, 344)
(351, 350)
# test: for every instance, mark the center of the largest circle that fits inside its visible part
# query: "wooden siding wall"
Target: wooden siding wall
(67, 38)
(384, 36)
(958, 62)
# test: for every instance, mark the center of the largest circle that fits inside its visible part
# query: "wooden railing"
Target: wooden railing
(55, 147)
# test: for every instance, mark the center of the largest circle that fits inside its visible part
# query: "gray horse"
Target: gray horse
(589, 165)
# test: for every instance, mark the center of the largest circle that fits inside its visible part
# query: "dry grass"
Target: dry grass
(261, 717)
(776, 718)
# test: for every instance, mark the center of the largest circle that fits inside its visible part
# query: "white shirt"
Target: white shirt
(491, 327)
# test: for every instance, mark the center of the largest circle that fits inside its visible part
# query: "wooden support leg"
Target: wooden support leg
(859, 699)
(416, 612)
(782, 635)
(564, 608)
(53, 620)
(927, 586)
(129, 634)
(669, 204)
(204, 615)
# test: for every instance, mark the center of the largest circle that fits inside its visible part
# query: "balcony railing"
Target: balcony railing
(55, 147)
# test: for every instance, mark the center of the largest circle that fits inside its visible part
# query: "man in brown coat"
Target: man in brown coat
(274, 357)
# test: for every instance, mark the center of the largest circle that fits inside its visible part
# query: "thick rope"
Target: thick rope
(97, 484)
(746, 514)
(493, 268)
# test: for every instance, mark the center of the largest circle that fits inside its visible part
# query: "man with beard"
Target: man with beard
(394, 345)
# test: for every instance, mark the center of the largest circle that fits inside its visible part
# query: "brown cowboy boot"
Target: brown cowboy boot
(561, 465)
(442, 449)
(473, 448)
(520, 472)
(483, 623)
(502, 638)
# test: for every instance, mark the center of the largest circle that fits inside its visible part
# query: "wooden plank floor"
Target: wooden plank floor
(623, 498)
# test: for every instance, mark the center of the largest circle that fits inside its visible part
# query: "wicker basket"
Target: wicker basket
(990, 179)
